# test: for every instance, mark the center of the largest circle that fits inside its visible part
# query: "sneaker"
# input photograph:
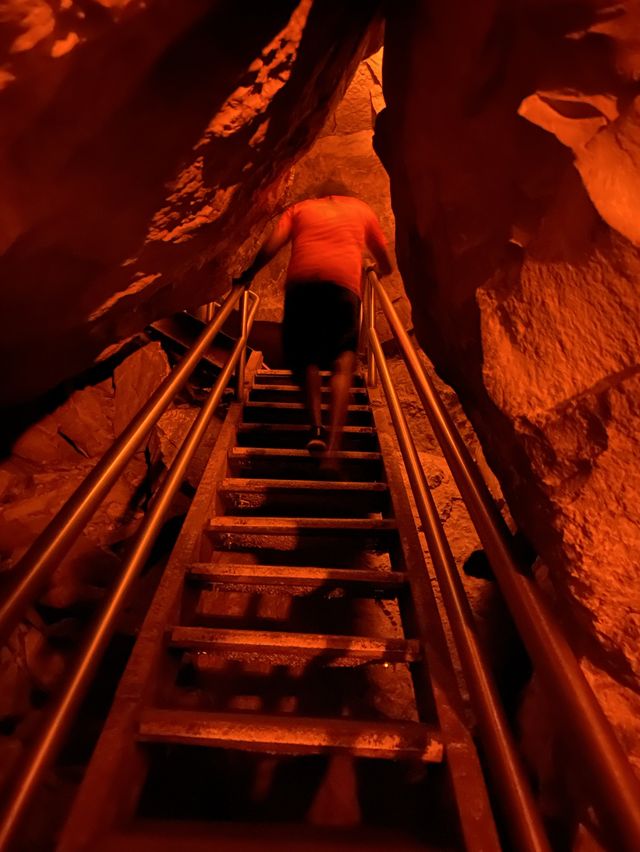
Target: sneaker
(317, 442)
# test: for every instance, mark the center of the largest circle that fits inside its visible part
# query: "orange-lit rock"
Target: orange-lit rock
(140, 154)
(49, 461)
(53, 456)
(511, 138)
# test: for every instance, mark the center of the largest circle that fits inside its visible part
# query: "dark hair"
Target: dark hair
(332, 187)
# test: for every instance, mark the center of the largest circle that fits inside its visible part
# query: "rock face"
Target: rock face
(141, 152)
(48, 462)
(512, 138)
(53, 456)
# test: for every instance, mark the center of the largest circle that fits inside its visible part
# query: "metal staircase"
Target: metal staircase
(253, 644)
(294, 652)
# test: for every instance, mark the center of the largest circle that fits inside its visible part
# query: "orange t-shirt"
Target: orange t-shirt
(329, 238)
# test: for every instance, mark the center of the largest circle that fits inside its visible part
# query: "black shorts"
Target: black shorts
(321, 321)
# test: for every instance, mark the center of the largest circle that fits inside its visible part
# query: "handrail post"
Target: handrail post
(242, 361)
(370, 320)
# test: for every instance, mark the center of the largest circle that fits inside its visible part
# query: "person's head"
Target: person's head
(332, 187)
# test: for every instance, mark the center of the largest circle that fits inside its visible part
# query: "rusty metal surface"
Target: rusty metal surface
(260, 485)
(251, 428)
(265, 377)
(297, 406)
(248, 453)
(319, 648)
(275, 735)
(280, 526)
(297, 580)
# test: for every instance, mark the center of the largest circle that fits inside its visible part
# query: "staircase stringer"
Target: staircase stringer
(109, 792)
(461, 757)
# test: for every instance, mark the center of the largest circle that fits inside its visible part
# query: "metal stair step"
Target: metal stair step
(292, 388)
(286, 453)
(296, 435)
(182, 329)
(320, 536)
(280, 377)
(257, 486)
(275, 646)
(296, 412)
(294, 393)
(277, 463)
(293, 736)
(297, 526)
(298, 580)
(267, 526)
(303, 496)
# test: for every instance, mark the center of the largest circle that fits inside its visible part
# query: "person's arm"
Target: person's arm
(280, 236)
(377, 245)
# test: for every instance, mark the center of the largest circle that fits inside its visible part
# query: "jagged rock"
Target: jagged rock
(135, 380)
(87, 419)
(43, 444)
(23, 518)
(16, 686)
(10, 751)
(171, 430)
(82, 576)
(512, 148)
(192, 114)
(43, 663)
(27, 663)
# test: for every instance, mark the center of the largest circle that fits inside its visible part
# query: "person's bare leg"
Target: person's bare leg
(340, 386)
(313, 388)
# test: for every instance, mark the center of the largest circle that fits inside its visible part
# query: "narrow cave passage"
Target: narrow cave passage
(293, 678)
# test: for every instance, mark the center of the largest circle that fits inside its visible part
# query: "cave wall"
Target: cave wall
(142, 150)
(512, 139)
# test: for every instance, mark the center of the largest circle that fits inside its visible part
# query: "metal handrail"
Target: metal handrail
(614, 785)
(519, 808)
(77, 682)
(45, 554)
